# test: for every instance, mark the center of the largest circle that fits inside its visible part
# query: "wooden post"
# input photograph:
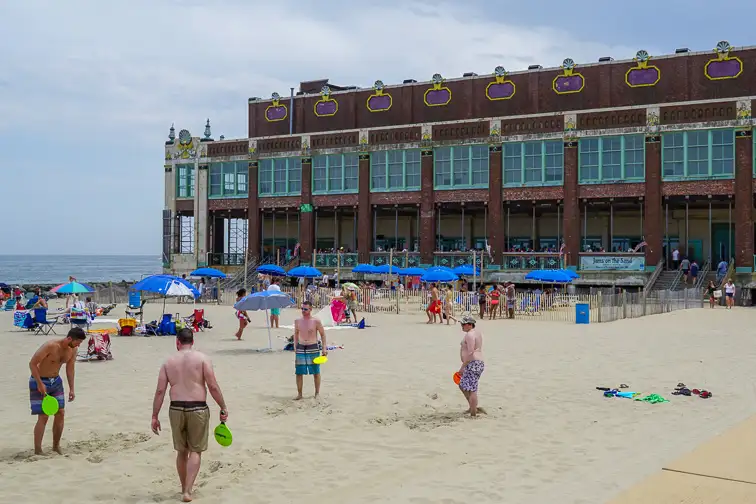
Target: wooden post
(338, 267)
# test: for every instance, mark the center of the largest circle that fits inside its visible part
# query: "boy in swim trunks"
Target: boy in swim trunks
(307, 348)
(190, 375)
(45, 380)
(471, 355)
(241, 314)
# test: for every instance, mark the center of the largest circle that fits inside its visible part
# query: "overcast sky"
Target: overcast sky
(88, 89)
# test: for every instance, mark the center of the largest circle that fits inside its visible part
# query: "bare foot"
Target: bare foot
(186, 497)
(298, 398)
(57, 450)
(38, 451)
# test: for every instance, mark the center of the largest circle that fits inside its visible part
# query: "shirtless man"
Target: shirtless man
(434, 307)
(190, 374)
(45, 380)
(307, 348)
(471, 355)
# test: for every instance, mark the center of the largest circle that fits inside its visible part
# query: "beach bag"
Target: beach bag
(717, 294)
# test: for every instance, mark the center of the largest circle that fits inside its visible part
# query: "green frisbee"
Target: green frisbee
(223, 435)
(50, 405)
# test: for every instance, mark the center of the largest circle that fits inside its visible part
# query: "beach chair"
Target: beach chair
(135, 308)
(23, 320)
(196, 320)
(9, 305)
(79, 318)
(98, 347)
(41, 324)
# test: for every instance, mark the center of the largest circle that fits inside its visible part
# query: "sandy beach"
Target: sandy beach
(389, 426)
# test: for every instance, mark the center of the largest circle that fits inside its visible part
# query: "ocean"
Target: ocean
(55, 269)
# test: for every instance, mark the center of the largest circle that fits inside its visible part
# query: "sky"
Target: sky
(89, 89)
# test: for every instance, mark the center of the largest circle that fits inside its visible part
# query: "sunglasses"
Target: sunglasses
(305, 309)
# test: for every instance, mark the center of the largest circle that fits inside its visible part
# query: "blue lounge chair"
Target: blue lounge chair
(41, 324)
(167, 327)
(9, 305)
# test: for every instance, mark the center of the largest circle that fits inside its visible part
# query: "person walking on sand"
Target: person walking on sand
(482, 300)
(471, 355)
(434, 307)
(729, 289)
(45, 380)
(710, 290)
(307, 348)
(190, 375)
(448, 301)
(510, 294)
(241, 314)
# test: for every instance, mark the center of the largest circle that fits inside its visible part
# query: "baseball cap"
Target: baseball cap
(467, 320)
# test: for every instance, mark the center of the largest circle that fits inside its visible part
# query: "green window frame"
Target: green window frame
(395, 170)
(185, 181)
(698, 154)
(279, 177)
(460, 167)
(612, 159)
(335, 173)
(228, 179)
(539, 163)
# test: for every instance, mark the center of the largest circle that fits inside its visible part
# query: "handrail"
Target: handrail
(676, 280)
(655, 275)
(702, 275)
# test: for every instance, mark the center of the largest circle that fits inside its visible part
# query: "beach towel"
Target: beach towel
(98, 347)
(338, 309)
(653, 399)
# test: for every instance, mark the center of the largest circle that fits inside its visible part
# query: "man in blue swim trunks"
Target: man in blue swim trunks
(45, 380)
(307, 348)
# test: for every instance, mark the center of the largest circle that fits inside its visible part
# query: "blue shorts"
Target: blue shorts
(54, 388)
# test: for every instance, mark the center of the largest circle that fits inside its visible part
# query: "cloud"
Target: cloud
(118, 75)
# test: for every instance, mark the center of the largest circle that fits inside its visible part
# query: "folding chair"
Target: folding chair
(79, 318)
(41, 324)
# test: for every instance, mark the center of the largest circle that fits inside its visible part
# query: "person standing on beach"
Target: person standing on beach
(729, 289)
(275, 313)
(190, 375)
(241, 314)
(510, 293)
(45, 380)
(307, 348)
(471, 355)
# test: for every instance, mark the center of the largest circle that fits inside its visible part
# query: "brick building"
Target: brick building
(599, 157)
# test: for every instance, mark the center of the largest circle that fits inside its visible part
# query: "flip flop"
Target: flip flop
(705, 394)
(680, 385)
(605, 389)
(623, 385)
(696, 391)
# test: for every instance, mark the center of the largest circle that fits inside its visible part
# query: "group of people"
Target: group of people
(441, 302)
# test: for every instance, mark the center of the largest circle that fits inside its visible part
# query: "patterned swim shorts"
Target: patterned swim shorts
(471, 376)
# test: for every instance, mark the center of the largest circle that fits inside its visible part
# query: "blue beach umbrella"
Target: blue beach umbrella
(271, 269)
(412, 271)
(441, 268)
(467, 270)
(439, 275)
(166, 286)
(571, 273)
(208, 272)
(264, 300)
(364, 268)
(549, 276)
(305, 272)
(385, 269)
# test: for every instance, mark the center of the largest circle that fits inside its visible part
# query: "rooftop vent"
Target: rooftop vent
(254, 99)
(605, 59)
(409, 81)
(535, 67)
(682, 50)
(469, 74)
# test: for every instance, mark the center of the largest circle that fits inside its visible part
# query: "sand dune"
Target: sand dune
(389, 426)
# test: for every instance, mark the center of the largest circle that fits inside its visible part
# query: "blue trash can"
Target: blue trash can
(582, 313)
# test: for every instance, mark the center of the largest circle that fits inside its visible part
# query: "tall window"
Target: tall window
(611, 159)
(185, 181)
(280, 177)
(698, 154)
(335, 173)
(465, 166)
(395, 170)
(229, 179)
(533, 163)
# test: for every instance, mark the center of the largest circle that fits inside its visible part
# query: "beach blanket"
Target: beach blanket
(98, 348)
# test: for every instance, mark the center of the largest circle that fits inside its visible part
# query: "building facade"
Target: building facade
(613, 164)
